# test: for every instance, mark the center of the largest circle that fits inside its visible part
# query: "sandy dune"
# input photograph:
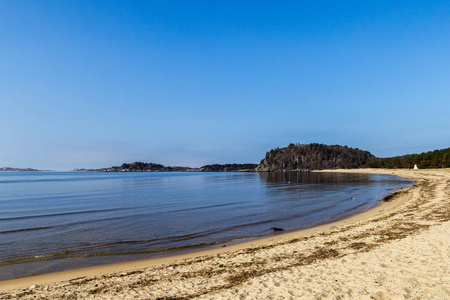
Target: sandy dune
(399, 250)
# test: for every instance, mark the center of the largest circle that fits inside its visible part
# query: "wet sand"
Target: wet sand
(398, 250)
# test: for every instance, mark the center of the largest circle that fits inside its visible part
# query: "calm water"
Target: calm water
(53, 221)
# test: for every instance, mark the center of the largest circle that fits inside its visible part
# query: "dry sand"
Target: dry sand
(399, 250)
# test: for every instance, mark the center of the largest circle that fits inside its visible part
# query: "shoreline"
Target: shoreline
(212, 249)
(99, 270)
(235, 251)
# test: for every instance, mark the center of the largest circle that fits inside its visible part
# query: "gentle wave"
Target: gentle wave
(78, 254)
(25, 229)
(153, 242)
(61, 214)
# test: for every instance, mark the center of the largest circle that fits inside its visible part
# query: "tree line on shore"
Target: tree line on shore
(428, 160)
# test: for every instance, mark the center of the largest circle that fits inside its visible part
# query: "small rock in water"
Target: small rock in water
(277, 229)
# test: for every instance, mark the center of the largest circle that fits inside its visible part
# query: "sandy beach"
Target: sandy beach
(398, 250)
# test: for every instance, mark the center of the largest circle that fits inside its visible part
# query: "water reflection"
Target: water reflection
(305, 199)
(312, 177)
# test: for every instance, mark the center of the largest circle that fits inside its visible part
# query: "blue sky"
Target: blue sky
(98, 83)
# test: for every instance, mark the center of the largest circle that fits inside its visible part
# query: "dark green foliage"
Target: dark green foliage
(432, 159)
(229, 168)
(315, 157)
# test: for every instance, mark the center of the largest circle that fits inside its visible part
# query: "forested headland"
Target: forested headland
(301, 157)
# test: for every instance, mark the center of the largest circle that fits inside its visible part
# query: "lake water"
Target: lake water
(53, 221)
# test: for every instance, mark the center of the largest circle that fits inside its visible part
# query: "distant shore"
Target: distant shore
(8, 169)
(152, 167)
(406, 235)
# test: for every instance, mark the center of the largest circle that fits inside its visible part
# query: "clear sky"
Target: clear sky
(87, 84)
